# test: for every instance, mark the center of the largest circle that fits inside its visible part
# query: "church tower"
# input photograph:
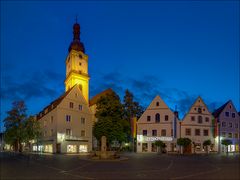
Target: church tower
(77, 64)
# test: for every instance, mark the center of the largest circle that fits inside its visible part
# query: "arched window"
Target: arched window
(200, 119)
(157, 118)
(157, 104)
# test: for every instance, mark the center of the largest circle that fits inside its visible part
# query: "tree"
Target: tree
(183, 143)
(226, 143)
(13, 123)
(20, 128)
(206, 144)
(131, 109)
(110, 119)
(160, 146)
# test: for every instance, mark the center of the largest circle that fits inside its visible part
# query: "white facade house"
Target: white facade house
(198, 125)
(158, 122)
(66, 124)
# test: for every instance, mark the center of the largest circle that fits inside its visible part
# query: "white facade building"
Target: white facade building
(158, 122)
(198, 125)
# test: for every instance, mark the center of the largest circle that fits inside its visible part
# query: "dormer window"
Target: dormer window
(157, 104)
(199, 110)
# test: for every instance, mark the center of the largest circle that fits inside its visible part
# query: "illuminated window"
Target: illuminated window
(207, 119)
(71, 104)
(148, 118)
(197, 132)
(166, 118)
(236, 135)
(223, 124)
(83, 148)
(71, 148)
(200, 119)
(157, 104)
(230, 135)
(163, 132)
(193, 118)
(188, 132)
(233, 115)
(68, 132)
(144, 132)
(80, 107)
(82, 120)
(157, 118)
(154, 132)
(227, 114)
(205, 132)
(144, 147)
(68, 118)
(154, 147)
(82, 133)
(230, 125)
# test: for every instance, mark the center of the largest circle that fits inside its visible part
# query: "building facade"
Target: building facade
(67, 122)
(228, 121)
(158, 122)
(198, 125)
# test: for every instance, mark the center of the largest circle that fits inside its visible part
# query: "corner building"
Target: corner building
(158, 122)
(67, 122)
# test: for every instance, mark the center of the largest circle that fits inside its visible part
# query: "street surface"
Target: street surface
(135, 166)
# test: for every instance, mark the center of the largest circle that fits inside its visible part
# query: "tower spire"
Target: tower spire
(76, 44)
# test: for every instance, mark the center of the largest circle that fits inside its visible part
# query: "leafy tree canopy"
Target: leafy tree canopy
(183, 142)
(226, 142)
(207, 142)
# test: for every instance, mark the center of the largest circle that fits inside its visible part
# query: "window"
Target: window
(227, 114)
(233, 115)
(144, 147)
(223, 124)
(144, 132)
(71, 148)
(230, 125)
(236, 135)
(44, 122)
(188, 132)
(45, 133)
(236, 125)
(166, 117)
(71, 104)
(154, 147)
(80, 107)
(199, 110)
(171, 132)
(193, 118)
(223, 134)
(51, 119)
(230, 135)
(80, 64)
(83, 148)
(205, 132)
(148, 118)
(51, 132)
(82, 120)
(157, 104)
(68, 132)
(82, 133)
(203, 109)
(200, 119)
(207, 119)
(163, 132)
(68, 118)
(154, 132)
(197, 132)
(76, 94)
(157, 118)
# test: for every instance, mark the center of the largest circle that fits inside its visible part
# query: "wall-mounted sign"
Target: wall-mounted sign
(141, 138)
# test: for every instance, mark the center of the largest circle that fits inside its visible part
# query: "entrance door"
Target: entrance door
(58, 148)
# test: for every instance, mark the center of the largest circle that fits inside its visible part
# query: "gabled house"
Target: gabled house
(198, 125)
(228, 122)
(158, 122)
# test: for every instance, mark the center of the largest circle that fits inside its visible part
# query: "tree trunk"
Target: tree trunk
(181, 149)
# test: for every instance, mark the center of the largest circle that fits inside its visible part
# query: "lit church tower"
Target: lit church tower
(77, 64)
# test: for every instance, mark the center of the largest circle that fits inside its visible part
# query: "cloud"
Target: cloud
(39, 84)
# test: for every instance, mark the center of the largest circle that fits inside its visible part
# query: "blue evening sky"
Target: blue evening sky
(179, 50)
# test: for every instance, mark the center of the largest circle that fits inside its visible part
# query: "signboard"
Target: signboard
(142, 138)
